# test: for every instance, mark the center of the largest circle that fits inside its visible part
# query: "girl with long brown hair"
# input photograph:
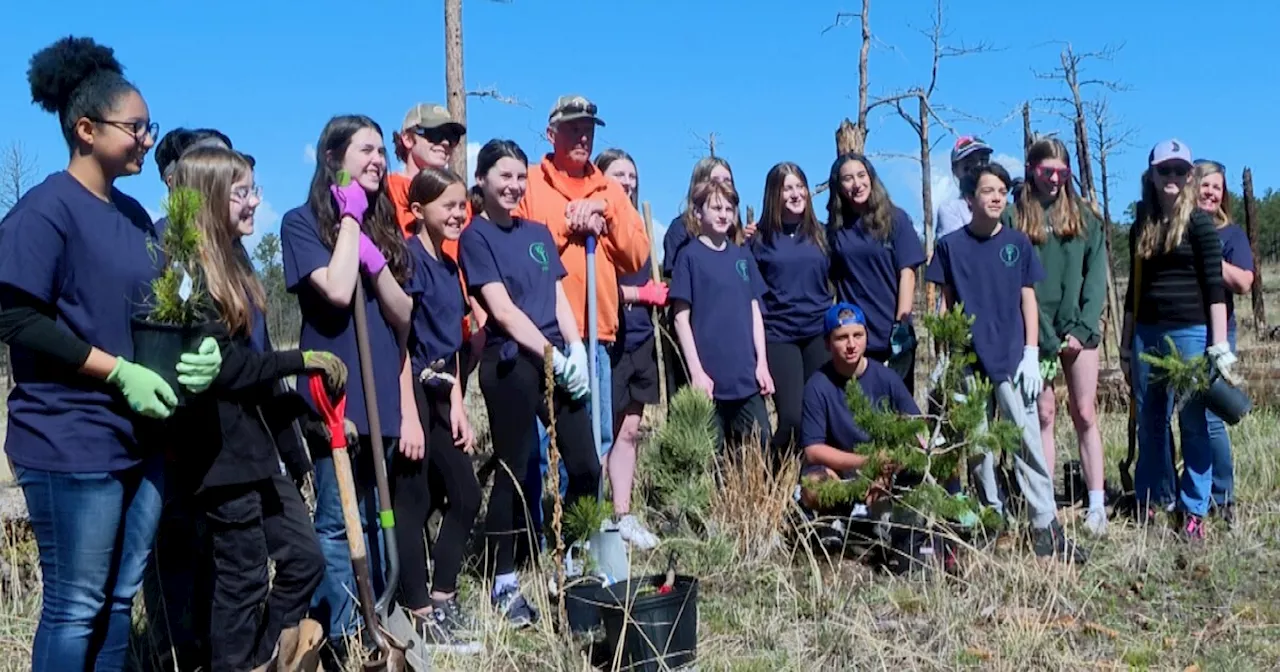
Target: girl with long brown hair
(1176, 285)
(1068, 239)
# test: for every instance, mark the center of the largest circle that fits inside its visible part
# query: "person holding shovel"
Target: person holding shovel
(438, 200)
(1181, 301)
(343, 235)
(635, 368)
(715, 294)
(512, 267)
(230, 461)
(1070, 245)
(1237, 277)
(791, 251)
(874, 254)
(992, 270)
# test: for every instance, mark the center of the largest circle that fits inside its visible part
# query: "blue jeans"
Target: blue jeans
(94, 531)
(1154, 478)
(333, 604)
(540, 461)
(1224, 475)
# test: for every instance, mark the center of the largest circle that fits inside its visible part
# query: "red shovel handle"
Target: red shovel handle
(333, 413)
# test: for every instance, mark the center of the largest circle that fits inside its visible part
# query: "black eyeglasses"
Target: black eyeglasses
(436, 135)
(1179, 170)
(138, 128)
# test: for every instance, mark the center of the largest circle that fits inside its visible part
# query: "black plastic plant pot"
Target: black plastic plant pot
(582, 605)
(1227, 401)
(159, 346)
(649, 630)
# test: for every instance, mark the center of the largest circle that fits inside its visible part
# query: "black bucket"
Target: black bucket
(159, 346)
(1227, 401)
(661, 631)
(582, 605)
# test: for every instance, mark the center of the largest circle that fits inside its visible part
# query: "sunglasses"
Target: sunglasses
(1046, 172)
(436, 135)
(1178, 170)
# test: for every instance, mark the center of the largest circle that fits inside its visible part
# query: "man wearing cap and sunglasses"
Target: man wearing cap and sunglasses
(428, 137)
(969, 152)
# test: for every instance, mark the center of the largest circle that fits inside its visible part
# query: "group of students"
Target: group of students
(485, 279)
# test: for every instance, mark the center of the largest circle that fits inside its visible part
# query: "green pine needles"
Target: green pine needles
(1185, 377)
(178, 296)
(677, 468)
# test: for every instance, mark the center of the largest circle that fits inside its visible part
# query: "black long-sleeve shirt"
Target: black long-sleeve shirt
(1178, 287)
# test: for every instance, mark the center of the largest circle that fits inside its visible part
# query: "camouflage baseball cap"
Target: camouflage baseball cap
(430, 115)
(573, 107)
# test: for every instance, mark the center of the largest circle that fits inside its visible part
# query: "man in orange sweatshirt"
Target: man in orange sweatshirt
(574, 199)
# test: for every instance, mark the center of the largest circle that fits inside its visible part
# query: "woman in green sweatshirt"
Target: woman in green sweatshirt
(1069, 239)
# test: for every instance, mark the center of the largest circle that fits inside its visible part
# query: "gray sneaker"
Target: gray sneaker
(437, 636)
(517, 610)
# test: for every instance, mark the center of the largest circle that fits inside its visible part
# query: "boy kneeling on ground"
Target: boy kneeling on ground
(991, 270)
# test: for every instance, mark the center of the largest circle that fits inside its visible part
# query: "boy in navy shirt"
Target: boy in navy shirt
(715, 291)
(992, 270)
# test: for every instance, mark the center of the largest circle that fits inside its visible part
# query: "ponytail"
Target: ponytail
(476, 196)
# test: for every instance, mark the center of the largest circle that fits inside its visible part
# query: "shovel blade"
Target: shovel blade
(409, 643)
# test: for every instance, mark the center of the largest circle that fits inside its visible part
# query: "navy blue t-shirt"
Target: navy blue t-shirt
(93, 263)
(719, 287)
(524, 259)
(438, 309)
(258, 337)
(826, 418)
(635, 325)
(865, 272)
(675, 239)
(987, 275)
(1235, 251)
(796, 295)
(333, 329)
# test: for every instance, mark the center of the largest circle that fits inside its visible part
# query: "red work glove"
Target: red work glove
(652, 293)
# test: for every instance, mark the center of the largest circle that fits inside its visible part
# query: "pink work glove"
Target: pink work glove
(652, 293)
(352, 200)
(371, 259)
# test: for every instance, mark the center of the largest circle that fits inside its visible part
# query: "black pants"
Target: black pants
(177, 582)
(905, 366)
(247, 525)
(791, 364)
(446, 469)
(514, 393)
(738, 420)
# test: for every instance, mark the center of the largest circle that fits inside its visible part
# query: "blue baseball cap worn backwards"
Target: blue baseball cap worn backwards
(843, 315)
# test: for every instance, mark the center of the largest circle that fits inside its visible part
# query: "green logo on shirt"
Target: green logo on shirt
(1009, 254)
(538, 252)
(742, 269)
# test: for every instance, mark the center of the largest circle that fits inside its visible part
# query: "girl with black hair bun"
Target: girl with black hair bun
(75, 265)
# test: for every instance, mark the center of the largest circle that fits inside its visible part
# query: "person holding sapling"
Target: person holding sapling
(1237, 277)
(512, 267)
(635, 366)
(874, 254)
(790, 250)
(438, 200)
(992, 270)
(1177, 288)
(75, 263)
(828, 432)
(1070, 245)
(715, 293)
(230, 459)
(346, 233)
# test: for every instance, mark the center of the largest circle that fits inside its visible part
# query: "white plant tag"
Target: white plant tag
(185, 287)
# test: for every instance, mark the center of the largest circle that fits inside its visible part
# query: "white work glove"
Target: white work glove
(1028, 375)
(1223, 359)
(571, 371)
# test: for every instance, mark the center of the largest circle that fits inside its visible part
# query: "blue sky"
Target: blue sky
(665, 73)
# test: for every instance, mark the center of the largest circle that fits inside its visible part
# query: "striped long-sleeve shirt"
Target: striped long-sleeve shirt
(1178, 287)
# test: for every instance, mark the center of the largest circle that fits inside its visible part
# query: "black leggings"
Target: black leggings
(514, 393)
(446, 468)
(791, 364)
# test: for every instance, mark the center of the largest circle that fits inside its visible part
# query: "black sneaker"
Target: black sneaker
(437, 636)
(518, 611)
(1052, 542)
(455, 619)
(1228, 514)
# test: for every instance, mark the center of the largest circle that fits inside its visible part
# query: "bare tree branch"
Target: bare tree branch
(842, 19)
(491, 92)
(17, 174)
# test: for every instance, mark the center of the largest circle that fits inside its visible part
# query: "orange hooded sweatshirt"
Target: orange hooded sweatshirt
(622, 250)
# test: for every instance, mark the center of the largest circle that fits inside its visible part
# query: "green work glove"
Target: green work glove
(1049, 369)
(330, 367)
(145, 391)
(197, 370)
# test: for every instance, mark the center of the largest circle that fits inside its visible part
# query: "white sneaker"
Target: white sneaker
(635, 534)
(1096, 522)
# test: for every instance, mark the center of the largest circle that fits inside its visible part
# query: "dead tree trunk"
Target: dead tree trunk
(455, 84)
(1251, 226)
(852, 136)
(926, 198)
(1110, 331)
(1026, 127)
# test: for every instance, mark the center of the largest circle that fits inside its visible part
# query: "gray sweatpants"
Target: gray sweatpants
(1033, 476)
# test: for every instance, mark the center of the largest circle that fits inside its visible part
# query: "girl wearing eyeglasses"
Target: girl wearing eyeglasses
(1237, 275)
(1069, 241)
(1180, 300)
(81, 411)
